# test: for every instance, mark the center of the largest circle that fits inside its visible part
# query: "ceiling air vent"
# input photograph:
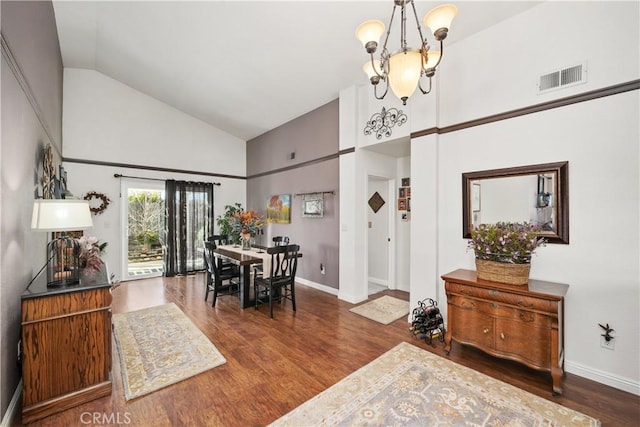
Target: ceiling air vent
(565, 77)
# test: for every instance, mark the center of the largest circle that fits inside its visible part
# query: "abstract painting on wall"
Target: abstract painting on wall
(279, 209)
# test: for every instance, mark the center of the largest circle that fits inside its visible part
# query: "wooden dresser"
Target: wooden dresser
(66, 345)
(522, 323)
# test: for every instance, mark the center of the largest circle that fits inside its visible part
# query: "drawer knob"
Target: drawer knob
(494, 306)
(492, 292)
(485, 331)
(502, 335)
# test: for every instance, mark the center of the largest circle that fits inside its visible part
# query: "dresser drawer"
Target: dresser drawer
(54, 306)
(517, 300)
(498, 310)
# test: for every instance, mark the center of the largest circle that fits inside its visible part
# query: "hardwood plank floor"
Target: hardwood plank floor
(275, 365)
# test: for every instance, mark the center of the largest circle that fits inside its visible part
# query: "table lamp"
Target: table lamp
(63, 252)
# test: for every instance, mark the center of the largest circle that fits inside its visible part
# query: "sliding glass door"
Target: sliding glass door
(143, 228)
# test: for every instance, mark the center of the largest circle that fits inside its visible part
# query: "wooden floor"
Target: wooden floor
(275, 365)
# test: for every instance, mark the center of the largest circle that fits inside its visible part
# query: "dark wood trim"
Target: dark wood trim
(347, 151)
(150, 168)
(556, 103)
(296, 166)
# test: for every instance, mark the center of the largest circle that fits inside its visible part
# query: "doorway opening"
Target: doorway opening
(143, 228)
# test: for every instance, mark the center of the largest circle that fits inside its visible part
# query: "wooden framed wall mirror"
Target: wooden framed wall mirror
(538, 194)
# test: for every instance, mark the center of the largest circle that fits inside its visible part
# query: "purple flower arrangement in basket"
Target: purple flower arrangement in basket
(506, 242)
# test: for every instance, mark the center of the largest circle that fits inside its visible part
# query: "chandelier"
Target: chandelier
(404, 68)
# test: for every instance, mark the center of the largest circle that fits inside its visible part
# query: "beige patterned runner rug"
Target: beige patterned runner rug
(383, 310)
(408, 386)
(160, 346)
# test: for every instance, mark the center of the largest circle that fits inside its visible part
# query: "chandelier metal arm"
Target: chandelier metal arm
(415, 14)
(441, 55)
(386, 38)
(424, 92)
(386, 89)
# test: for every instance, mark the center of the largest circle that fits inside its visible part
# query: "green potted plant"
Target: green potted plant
(503, 251)
(225, 222)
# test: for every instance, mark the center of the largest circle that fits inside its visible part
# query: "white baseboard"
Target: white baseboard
(377, 281)
(13, 408)
(621, 383)
(320, 287)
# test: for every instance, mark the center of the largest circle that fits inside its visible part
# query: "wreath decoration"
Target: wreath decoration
(104, 202)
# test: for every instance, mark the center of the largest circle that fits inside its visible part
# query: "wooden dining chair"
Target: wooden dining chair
(217, 240)
(278, 281)
(280, 240)
(277, 241)
(220, 281)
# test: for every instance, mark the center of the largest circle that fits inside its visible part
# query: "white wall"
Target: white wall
(107, 121)
(599, 138)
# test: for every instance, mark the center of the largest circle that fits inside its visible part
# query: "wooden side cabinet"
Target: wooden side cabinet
(521, 323)
(66, 345)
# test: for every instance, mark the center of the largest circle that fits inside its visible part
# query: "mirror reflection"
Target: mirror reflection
(514, 199)
(536, 194)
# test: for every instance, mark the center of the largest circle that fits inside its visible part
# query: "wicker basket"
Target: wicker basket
(513, 274)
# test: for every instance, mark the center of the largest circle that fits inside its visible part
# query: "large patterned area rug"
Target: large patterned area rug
(408, 386)
(160, 346)
(383, 310)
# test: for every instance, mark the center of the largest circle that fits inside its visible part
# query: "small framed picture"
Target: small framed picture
(313, 207)
(408, 191)
(406, 182)
(401, 192)
(402, 204)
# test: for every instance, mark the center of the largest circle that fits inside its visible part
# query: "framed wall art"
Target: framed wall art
(313, 206)
(375, 202)
(279, 209)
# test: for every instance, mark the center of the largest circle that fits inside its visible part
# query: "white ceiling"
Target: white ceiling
(245, 67)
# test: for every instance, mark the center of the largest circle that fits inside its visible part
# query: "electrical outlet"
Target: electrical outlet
(607, 344)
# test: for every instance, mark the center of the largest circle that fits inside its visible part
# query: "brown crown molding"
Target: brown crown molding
(562, 102)
(149, 168)
(296, 166)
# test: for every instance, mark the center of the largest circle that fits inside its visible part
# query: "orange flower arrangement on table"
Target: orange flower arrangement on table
(247, 224)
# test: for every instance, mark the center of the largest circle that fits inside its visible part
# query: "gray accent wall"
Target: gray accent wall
(31, 117)
(313, 138)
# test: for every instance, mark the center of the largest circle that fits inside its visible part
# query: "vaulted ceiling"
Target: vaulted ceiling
(245, 67)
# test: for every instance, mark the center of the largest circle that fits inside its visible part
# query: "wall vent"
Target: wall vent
(562, 78)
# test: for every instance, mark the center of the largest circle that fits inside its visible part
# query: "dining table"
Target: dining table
(246, 259)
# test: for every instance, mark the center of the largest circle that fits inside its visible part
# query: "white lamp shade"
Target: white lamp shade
(369, 31)
(60, 215)
(440, 17)
(433, 56)
(404, 72)
(368, 68)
